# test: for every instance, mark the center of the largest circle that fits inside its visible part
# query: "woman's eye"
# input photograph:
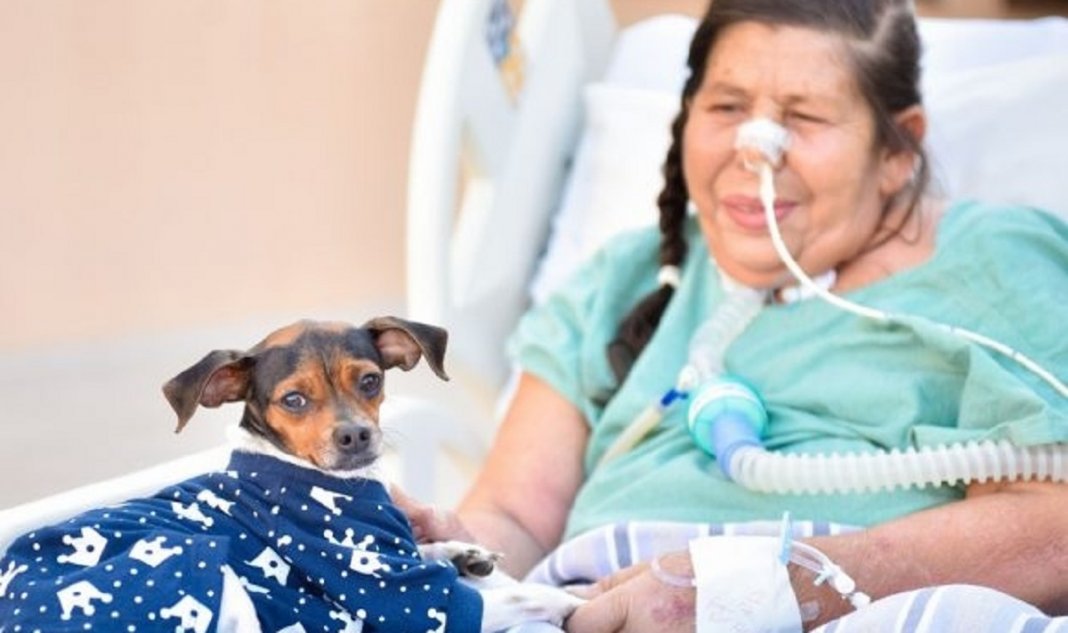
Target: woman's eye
(370, 384)
(725, 108)
(805, 117)
(294, 401)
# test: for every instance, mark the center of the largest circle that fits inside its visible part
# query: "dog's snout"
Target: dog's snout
(353, 437)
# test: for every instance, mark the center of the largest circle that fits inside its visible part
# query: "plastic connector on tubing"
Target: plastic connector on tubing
(731, 432)
(725, 415)
(818, 563)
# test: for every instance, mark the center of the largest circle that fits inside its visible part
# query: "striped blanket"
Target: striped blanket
(944, 609)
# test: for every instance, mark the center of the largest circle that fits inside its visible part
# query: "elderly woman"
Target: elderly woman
(852, 205)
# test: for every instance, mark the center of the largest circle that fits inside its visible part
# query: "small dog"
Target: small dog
(295, 535)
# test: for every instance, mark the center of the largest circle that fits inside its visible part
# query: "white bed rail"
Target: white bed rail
(488, 160)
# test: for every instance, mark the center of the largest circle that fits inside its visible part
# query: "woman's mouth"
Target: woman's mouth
(748, 212)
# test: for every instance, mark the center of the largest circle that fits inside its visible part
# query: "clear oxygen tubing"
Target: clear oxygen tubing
(737, 308)
(727, 418)
(767, 198)
(782, 473)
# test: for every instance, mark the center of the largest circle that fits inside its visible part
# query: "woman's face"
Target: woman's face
(833, 183)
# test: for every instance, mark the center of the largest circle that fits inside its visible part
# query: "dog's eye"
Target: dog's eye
(294, 401)
(370, 384)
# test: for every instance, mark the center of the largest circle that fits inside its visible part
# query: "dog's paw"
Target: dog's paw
(470, 560)
(476, 564)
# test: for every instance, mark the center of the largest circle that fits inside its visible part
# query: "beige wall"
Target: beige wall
(168, 164)
(173, 163)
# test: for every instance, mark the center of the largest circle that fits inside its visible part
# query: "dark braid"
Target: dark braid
(884, 51)
(640, 324)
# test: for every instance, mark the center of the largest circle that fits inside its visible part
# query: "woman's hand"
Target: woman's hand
(636, 600)
(430, 523)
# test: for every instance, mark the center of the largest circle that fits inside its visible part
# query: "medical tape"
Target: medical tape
(743, 586)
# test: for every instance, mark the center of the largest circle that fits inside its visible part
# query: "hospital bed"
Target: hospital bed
(537, 136)
(531, 150)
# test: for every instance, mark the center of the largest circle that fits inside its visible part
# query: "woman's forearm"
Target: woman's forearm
(498, 531)
(520, 501)
(998, 537)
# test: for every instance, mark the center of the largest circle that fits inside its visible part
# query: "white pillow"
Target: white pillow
(951, 46)
(651, 54)
(614, 180)
(615, 175)
(996, 92)
(997, 133)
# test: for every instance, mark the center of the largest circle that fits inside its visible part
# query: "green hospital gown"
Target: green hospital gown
(831, 381)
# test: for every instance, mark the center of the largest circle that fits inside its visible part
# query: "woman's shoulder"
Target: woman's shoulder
(985, 249)
(629, 241)
(614, 277)
(644, 241)
(997, 249)
(625, 261)
(973, 219)
(625, 258)
(986, 237)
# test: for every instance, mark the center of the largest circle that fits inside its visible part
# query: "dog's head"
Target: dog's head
(312, 389)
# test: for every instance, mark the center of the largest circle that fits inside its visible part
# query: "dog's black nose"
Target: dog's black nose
(353, 437)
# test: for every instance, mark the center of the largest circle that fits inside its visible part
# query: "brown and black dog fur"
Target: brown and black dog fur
(312, 389)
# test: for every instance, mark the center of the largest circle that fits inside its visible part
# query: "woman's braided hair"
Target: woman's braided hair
(884, 51)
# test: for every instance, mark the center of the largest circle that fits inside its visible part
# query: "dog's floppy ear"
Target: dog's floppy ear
(402, 342)
(221, 376)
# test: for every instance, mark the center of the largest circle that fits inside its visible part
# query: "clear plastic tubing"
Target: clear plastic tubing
(727, 419)
(783, 473)
(739, 306)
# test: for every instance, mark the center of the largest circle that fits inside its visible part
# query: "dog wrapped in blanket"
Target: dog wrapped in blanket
(295, 535)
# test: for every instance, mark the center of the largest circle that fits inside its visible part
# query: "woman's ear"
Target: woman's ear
(900, 163)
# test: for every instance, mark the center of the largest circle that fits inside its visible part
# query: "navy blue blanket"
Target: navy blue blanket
(314, 552)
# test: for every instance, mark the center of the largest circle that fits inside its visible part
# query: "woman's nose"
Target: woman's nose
(761, 140)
